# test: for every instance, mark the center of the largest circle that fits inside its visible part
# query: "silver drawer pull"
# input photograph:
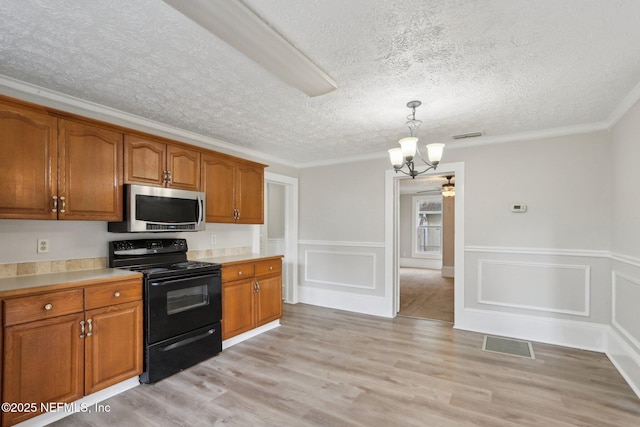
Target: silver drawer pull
(270, 267)
(90, 327)
(48, 307)
(116, 294)
(239, 273)
(82, 335)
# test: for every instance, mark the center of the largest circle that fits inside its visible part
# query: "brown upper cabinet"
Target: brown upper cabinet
(234, 189)
(56, 165)
(49, 167)
(153, 162)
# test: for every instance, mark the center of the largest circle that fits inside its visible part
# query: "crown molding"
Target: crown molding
(37, 94)
(60, 101)
(627, 103)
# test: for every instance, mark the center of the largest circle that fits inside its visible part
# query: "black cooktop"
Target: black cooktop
(156, 257)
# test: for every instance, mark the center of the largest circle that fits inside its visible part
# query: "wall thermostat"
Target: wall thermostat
(518, 207)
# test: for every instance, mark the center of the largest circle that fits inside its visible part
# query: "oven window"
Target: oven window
(186, 299)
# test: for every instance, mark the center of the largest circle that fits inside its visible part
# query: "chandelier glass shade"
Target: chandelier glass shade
(405, 155)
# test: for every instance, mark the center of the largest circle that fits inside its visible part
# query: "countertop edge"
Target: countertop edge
(241, 259)
(22, 285)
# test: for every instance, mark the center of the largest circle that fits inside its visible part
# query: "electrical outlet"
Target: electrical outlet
(43, 246)
(213, 239)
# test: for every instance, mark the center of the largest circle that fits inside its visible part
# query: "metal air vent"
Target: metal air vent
(467, 135)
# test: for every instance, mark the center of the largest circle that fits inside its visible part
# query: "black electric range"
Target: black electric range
(182, 303)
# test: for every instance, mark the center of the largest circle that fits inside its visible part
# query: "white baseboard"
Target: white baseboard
(625, 358)
(250, 334)
(433, 264)
(568, 333)
(365, 304)
(90, 403)
(448, 271)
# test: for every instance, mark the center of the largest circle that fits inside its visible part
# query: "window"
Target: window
(427, 226)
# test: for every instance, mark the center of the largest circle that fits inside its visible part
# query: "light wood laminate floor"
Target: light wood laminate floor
(325, 367)
(425, 293)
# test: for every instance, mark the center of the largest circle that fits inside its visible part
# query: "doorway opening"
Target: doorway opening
(393, 249)
(279, 234)
(426, 246)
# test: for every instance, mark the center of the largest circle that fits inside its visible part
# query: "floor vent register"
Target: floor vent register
(508, 346)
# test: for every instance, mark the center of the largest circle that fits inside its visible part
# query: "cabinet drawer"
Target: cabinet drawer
(271, 266)
(238, 272)
(113, 293)
(42, 306)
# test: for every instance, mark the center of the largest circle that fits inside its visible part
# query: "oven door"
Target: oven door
(179, 305)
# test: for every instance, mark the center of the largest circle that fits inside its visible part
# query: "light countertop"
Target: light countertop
(236, 259)
(10, 286)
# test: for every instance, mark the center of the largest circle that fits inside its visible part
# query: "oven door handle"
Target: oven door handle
(180, 281)
(187, 341)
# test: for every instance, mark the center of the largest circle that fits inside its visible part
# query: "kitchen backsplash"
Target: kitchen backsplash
(44, 267)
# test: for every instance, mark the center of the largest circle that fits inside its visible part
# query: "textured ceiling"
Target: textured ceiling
(497, 66)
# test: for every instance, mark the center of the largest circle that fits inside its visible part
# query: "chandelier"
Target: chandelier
(408, 150)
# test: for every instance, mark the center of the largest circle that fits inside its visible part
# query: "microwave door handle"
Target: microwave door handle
(200, 210)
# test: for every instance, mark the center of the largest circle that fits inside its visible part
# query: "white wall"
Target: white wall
(566, 272)
(341, 247)
(624, 340)
(564, 235)
(552, 260)
(88, 239)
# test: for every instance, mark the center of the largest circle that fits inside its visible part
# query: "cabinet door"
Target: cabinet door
(90, 172)
(269, 299)
(237, 307)
(28, 164)
(249, 194)
(113, 351)
(184, 168)
(43, 362)
(144, 161)
(218, 184)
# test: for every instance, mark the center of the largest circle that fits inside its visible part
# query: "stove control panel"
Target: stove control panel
(147, 246)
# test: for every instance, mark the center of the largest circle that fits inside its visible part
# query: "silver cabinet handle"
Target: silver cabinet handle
(64, 204)
(48, 307)
(82, 329)
(55, 204)
(90, 327)
(116, 294)
(168, 177)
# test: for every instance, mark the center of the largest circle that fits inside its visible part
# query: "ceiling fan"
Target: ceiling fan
(447, 190)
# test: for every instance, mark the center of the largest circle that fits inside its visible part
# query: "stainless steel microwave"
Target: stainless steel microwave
(157, 209)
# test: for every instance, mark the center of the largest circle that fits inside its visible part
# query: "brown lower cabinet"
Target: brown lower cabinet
(62, 345)
(251, 295)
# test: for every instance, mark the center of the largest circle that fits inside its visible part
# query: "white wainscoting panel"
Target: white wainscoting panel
(556, 288)
(625, 307)
(347, 269)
